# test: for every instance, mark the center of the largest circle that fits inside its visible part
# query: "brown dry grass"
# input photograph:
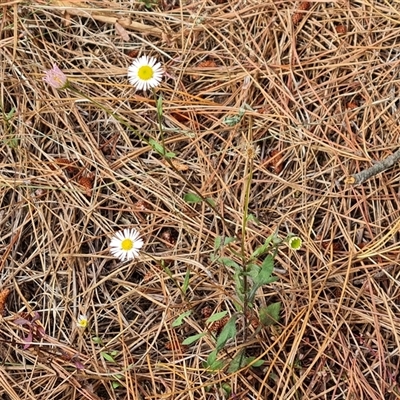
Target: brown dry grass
(324, 87)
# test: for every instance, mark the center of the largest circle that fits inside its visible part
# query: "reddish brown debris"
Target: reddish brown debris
(218, 325)
(87, 183)
(205, 64)
(299, 14)
(206, 311)
(3, 298)
(341, 29)
(275, 161)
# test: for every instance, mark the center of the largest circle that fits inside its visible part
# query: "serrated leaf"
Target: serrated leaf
(192, 198)
(239, 361)
(216, 317)
(179, 320)
(264, 276)
(270, 315)
(107, 356)
(228, 332)
(192, 339)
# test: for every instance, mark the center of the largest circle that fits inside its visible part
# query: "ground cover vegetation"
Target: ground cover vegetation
(181, 214)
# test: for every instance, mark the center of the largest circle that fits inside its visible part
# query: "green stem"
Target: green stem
(249, 173)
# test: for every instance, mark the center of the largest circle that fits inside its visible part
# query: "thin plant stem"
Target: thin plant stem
(249, 173)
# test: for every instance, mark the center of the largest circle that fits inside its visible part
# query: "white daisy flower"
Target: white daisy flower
(126, 244)
(145, 73)
(82, 322)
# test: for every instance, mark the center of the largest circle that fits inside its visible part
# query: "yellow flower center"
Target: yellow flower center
(83, 323)
(127, 244)
(145, 73)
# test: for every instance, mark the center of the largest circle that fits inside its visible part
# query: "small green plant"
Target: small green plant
(249, 276)
(109, 356)
(149, 4)
(9, 138)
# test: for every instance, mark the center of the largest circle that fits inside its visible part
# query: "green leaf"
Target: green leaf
(210, 201)
(212, 364)
(239, 361)
(213, 257)
(186, 282)
(107, 356)
(253, 270)
(116, 384)
(12, 142)
(159, 107)
(10, 114)
(253, 218)
(270, 315)
(211, 358)
(179, 320)
(256, 364)
(217, 365)
(216, 317)
(227, 389)
(192, 339)
(264, 276)
(228, 332)
(228, 262)
(239, 285)
(192, 198)
(229, 240)
(159, 148)
(97, 340)
(263, 248)
(217, 243)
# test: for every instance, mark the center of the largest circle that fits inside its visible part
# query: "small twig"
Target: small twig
(380, 166)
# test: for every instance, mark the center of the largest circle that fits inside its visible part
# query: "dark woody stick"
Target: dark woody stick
(380, 166)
